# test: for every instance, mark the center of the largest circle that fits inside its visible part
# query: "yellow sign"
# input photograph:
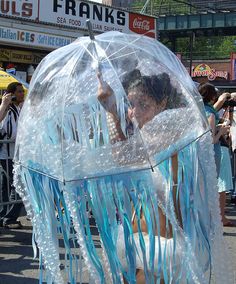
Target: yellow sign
(17, 56)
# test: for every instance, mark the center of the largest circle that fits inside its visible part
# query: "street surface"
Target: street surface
(17, 265)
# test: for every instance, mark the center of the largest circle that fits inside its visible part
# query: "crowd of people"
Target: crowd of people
(219, 110)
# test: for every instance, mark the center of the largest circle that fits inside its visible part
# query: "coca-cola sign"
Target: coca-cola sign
(142, 24)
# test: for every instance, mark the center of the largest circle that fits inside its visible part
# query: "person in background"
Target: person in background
(225, 180)
(209, 96)
(212, 104)
(232, 117)
(6, 101)
(10, 108)
(232, 112)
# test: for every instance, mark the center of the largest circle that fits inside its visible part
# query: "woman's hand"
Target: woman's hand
(106, 96)
(224, 97)
(224, 129)
(233, 96)
(6, 100)
(104, 90)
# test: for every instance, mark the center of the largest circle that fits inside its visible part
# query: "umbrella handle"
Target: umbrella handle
(90, 30)
(92, 37)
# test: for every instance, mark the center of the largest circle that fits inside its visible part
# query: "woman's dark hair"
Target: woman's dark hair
(208, 92)
(158, 87)
(11, 88)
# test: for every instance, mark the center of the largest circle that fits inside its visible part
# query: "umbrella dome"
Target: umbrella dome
(62, 104)
(67, 154)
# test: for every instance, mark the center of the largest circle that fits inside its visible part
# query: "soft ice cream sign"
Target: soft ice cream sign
(204, 70)
(32, 38)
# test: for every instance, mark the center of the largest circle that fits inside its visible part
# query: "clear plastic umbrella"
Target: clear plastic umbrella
(62, 80)
(117, 123)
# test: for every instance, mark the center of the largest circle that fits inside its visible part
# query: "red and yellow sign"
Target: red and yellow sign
(204, 70)
(233, 66)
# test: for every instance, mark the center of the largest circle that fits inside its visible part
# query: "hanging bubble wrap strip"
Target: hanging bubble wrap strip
(113, 133)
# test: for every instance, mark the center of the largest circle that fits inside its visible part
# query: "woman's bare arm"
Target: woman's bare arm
(6, 101)
(174, 160)
(223, 129)
(108, 100)
(221, 100)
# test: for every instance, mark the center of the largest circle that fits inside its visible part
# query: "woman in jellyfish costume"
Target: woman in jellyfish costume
(115, 127)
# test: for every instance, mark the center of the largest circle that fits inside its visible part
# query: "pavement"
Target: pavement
(230, 236)
(17, 265)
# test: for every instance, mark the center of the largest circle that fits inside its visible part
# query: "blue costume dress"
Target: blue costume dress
(209, 111)
(225, 180)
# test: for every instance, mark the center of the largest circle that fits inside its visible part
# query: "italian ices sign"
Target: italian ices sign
(74, 13)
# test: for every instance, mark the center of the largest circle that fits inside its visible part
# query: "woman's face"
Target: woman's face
(143, 107)
(19, 93)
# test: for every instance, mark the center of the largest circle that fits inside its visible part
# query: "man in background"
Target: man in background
(10, 108)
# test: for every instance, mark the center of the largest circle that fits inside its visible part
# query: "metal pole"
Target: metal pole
(92, 37)
(90, 30)
(143, 10)
(191, 52)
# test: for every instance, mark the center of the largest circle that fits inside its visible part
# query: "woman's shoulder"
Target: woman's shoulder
(210, 110)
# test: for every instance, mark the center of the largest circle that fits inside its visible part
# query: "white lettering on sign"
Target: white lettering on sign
(143, 25)
(90, 11)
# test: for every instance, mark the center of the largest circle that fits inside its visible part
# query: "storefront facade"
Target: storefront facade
(23, 46)
(30, 29)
